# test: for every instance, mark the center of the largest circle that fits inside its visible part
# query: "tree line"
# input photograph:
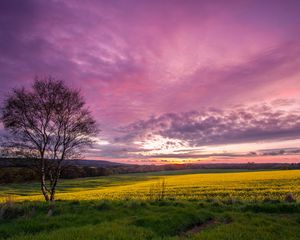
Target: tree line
(21, 173)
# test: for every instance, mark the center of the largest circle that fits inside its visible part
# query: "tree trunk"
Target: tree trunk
(52, 196)
(43, 188)
(43, 181)
(53, 187)
(52, 193)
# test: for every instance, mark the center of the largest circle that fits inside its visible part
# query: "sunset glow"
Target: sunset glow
(167, 81)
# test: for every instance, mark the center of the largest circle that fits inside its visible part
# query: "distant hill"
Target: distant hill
(96, 163)
(21, 162)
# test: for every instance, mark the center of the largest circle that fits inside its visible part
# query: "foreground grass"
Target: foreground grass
(170, 220)
(196, 205)
(189, 184)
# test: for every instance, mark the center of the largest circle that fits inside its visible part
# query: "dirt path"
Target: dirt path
(198, 228)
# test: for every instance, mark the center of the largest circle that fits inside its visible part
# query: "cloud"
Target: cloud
(217, 127)
(278, 152)
(167, 59)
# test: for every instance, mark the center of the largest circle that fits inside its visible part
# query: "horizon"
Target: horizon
(204, 162)
(168, 82)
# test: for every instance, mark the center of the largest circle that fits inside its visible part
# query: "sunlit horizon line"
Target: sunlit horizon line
(289, 159)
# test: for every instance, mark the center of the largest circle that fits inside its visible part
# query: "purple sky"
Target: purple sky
(167, 80)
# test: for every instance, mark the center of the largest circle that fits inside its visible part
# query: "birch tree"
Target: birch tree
(47, 124)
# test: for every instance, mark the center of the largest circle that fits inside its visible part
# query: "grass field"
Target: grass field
(190, 184)
(226, 205)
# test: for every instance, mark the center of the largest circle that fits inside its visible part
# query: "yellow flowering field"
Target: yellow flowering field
(249, 186)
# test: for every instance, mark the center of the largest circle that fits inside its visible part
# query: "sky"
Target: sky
(174, 81)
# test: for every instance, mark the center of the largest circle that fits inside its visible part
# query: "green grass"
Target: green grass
(211, 205)
(151, 220)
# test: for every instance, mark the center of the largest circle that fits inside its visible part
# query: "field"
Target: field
(186, 184)
(190, 204)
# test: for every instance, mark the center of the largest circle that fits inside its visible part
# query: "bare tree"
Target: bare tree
(48, 124)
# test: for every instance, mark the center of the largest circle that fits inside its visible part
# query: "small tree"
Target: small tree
(47, 124)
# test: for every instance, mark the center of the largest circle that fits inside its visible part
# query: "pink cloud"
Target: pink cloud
(135, 59)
